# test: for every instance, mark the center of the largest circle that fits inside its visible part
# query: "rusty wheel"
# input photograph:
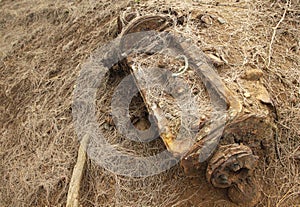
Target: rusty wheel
(232, 167)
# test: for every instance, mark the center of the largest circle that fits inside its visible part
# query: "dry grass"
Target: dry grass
(42, 47)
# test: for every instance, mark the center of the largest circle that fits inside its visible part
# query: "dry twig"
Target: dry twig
(73, 193)
(274, 32)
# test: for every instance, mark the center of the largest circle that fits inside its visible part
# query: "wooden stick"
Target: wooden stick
(73, 193)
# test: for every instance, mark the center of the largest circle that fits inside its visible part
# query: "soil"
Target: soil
(43, 46)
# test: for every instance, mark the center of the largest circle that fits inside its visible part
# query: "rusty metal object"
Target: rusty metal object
(232, 167)
(249, 130)
(210, 78)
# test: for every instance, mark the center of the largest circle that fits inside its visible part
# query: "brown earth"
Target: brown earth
(43, 45)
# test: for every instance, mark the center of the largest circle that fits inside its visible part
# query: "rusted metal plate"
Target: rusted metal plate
(199, 79)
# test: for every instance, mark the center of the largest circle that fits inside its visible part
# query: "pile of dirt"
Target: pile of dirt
(42, 48)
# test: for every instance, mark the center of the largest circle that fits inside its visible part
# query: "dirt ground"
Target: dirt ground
(43, 45)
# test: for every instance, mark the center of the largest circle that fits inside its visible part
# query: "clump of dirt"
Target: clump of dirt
(42, 49)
